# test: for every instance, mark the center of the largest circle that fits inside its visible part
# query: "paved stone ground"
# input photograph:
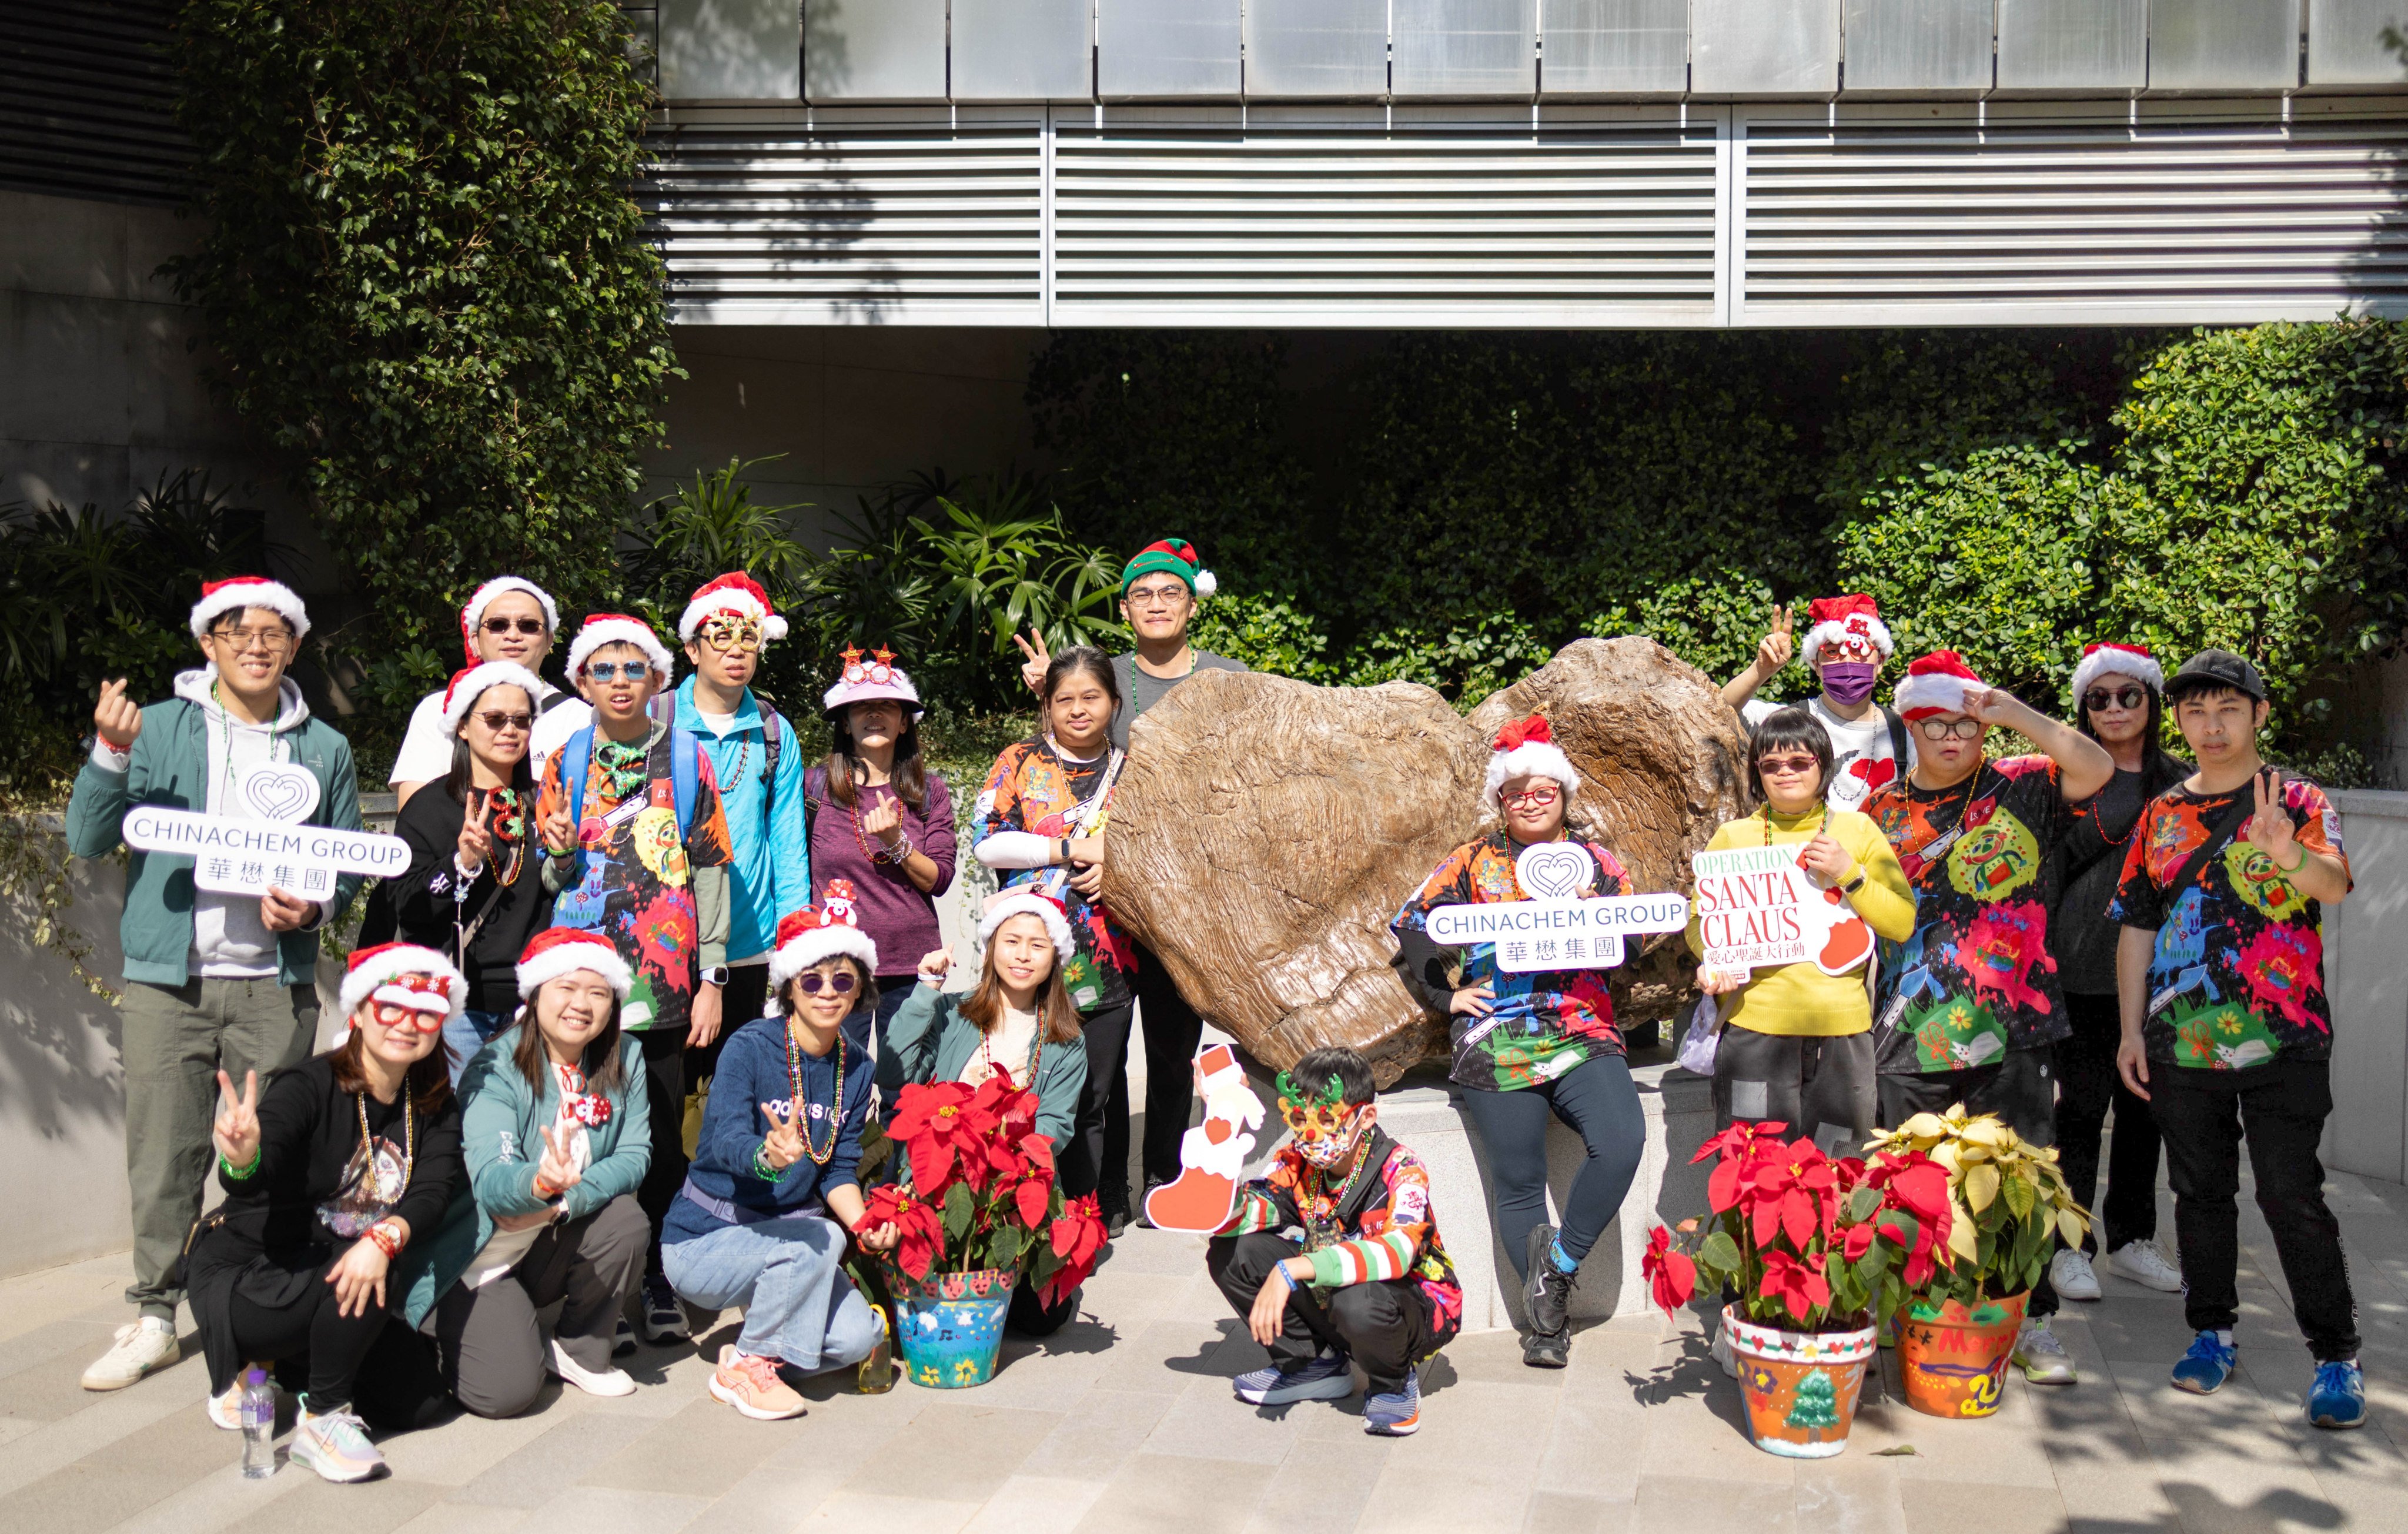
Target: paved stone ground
(1124, 1421)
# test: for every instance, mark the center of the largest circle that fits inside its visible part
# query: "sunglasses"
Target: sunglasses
(613, 670)
(1792, 766)
(393, 1014)
(498, 722)
(1944, 729)
(1532, 798)
(2122, 698)
(732, 634)
(814, 982)
(530, 626)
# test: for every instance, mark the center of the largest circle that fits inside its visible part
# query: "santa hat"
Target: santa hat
(1527, 748)
(404, 975)
(874, 675)
(815, 933)
(735, 594)
(1837, 619)
(472, 613)
(238, 592)
(2130, 660)
(1936, 685)
(471, 683)
(603, 628)
(565, 950)
(1177, 556)
(1029, 902)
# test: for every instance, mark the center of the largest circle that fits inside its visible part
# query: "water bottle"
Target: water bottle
(258, 1426)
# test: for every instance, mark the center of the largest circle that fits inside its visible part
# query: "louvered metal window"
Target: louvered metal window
(87, 101)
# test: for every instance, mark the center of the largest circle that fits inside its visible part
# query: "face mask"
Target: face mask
(1850, 682)
(1328, 1151)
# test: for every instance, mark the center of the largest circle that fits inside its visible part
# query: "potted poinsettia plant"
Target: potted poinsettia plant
(1817, 1249)
(977, 1208)
(2008, 1204)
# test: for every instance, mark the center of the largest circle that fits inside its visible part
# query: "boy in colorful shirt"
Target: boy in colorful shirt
(2226, 1027)
(1970, 1010)
(1333, 1255)
(639, 853)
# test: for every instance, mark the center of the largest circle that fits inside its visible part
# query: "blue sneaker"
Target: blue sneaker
(2204, 1369)
(2338, 1398)
(1321, 1379)
(1396, 1414)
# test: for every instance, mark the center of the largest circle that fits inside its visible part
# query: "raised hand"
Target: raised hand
(934, 966)
(237, 1129)
(1773, 650)
(1036, 658)
(559, 831)
(783, 1145)
(884, 821)
(2270, 830)
(477, 837)
(558, 1170)
(118, 718)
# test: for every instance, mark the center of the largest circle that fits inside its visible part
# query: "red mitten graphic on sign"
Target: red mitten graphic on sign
(1849, 942)
(1212, 1156)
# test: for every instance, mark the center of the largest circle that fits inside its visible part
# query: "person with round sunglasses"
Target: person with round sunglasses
(474, 887)
(508, 619)
(330, 1176)
(1796, 1045)
(2119, 699)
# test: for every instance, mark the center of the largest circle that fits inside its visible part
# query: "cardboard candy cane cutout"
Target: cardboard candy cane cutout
(1212, 1156)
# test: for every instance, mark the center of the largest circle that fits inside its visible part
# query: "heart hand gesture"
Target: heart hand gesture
(1035, 659)
(118, 718)
(477, 837)
(558, 1170)
(783, 1145)
(1773, 650)
(884, 821)
(237, 1129)
(2270, 830)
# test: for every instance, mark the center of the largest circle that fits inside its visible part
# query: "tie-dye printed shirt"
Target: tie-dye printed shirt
(1976, 978)
(1033, 787)
(2238, 974)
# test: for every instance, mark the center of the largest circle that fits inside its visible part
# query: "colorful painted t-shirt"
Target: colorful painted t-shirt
(2238, 976)
(1543, 1023)
(1381, 1230)
(1033, 788)
(637, 880)
(1976, 979)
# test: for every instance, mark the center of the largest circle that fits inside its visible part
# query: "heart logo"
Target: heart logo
(1555, 870)
(279, 791)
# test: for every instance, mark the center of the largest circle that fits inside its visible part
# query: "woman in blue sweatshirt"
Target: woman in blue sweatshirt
(760, 1222)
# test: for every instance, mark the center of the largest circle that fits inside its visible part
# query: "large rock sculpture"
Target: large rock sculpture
(1265, 830)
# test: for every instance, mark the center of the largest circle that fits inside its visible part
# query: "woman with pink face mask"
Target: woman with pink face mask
(1845, 647)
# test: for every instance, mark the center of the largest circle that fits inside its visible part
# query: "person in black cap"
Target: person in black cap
(2226, 1027)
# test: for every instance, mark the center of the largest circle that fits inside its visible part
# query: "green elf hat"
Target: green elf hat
(1177, 556)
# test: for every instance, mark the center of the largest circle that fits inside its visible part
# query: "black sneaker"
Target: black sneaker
(663, 1317)
(1547, 1350)
(1548, 1296)
(1116, 1220)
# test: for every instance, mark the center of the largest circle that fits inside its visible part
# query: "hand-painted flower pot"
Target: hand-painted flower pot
(953, 1327)
(1952, 1359)
(1800, 1388)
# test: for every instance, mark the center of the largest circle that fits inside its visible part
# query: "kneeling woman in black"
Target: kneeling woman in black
(326, 1176)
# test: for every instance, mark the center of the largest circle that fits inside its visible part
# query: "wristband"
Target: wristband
(238, 1174)
(387, 1237)
(1062, 850)
(1280, 1270)
(1853, 885)
(544, 1193)
(761, 1168)
(2294, 868)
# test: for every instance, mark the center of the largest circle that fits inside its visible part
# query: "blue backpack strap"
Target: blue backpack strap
(576, 754)
(684, 776)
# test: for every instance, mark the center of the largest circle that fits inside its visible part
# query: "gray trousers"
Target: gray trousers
(176, 1040)
(492, 1345)
(1822, 1087)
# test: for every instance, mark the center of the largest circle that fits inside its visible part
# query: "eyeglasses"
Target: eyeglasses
(1532, 798)
(498, 722)
(1157, 596)
(1786, 766)
(731, 634)
(2122, 698)
(393, 1014)
(814, 982)
(529, 627)
(1945, 729)
(240, 639)
(613, 670)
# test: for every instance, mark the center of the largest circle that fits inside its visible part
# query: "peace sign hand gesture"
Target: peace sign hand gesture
(118, 718)
(1037, 658)
(237, 1129)
(477, 837)
(783, 1145)
(2270, 830)
(559, 831)
(1773, 650)
(558, 1170)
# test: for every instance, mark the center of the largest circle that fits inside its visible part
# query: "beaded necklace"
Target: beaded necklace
(409, 1132)
(1036, 1052)
(1321, 1217)
(511, 832)
(274, 736)
(795, 1086)
(1810, 836)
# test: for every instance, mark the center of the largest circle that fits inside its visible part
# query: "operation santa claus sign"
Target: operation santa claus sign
(1758, 909)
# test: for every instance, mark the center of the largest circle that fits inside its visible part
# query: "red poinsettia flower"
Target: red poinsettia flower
(1788, 1194)
(1736, 1147)
(1797, 1287)
(937, 1128)
(1859, 1242)
(1916, 1183)
(1671, 1277)
(1078, 1236)
(920, 1224)
(1034, 1191)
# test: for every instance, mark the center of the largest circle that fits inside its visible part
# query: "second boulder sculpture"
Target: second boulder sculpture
(1265, 830)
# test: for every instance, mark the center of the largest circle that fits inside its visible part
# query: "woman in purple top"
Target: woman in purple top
(880, 819)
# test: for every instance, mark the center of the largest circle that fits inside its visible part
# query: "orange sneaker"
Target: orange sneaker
(750, 1384)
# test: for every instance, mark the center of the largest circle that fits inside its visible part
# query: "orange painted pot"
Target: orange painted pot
(1954, 1360)
(1800, 1388)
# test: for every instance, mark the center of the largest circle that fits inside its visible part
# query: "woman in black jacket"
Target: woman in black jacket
(327, 1179)
(473, 889)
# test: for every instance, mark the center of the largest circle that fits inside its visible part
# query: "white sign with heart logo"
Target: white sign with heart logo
(1555, 871)
(267, 843)
(279, 791)
(1565, 927)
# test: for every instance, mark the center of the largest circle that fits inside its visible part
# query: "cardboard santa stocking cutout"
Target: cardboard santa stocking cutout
(1212, 1156)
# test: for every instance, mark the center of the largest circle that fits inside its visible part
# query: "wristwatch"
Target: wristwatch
(715, 975)
(1853, 885)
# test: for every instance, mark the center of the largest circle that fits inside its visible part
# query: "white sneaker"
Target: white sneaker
(141, 1346)
(2041, 1356)
(1722, 1350)
(2146, 1263)
(2070, 1273)
(608, 1382)
(335, 1446)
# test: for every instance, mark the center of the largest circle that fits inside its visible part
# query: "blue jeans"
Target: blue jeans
(798, 1306)
(464, 1035)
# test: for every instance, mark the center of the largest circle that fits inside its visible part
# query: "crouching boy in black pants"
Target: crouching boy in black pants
(1335, 1255)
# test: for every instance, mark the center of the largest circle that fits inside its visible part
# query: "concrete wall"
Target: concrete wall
(2366, 976)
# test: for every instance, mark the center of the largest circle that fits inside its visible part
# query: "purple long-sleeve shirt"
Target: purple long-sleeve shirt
(900, 920)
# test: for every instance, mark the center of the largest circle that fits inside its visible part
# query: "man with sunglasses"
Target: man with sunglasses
(212, 981)
(1847, 648)
(510, 618)
(1971, 1009)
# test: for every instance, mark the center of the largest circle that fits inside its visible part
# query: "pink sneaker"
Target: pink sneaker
(750, 1384)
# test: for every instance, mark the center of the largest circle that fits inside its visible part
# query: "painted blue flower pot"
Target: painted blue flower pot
(952, 1328)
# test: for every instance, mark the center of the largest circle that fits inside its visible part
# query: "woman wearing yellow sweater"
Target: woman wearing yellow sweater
(1797, 1043)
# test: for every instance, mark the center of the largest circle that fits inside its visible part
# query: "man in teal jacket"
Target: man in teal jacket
(212, 981)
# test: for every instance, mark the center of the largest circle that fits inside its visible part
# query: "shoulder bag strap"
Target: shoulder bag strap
(1898, 747)
(2219, 836)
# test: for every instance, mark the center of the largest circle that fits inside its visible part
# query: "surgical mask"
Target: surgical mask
(1850, 682)
(1329, 1150)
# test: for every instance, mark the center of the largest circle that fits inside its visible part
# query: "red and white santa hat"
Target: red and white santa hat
(1837, 619)
(472, 613)
(1029, 902)
(870, 675)
(737, 594)
(2130, 660)
(1936, 685)
(603, 628)
(238, 592)
(563, 951)
(819, 932)
(471, 683)
(1527, 748)
(404, 975)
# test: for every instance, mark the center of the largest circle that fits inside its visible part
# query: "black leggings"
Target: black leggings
(2088, 1085)
(373, 1356)
(1600, 1101)
(1097, 1160)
